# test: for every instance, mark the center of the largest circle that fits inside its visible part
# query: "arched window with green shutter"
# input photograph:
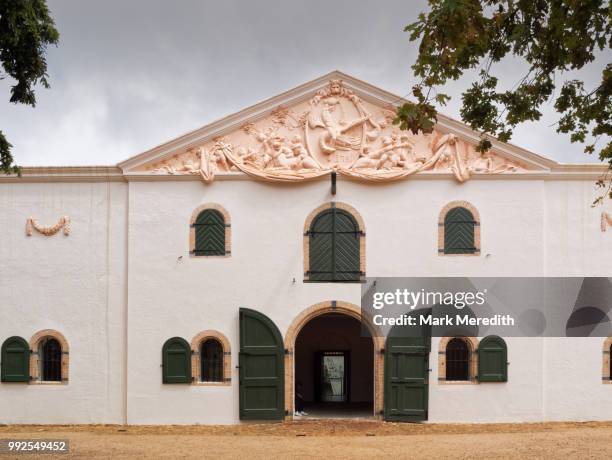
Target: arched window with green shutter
(492, 359)
(210, 233)
(334, 247)
(459, 231)
(15, 360)
(176, 361)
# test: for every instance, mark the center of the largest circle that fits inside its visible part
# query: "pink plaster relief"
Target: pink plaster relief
(333, 131)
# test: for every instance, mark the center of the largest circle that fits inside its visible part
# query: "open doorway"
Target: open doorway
(334, 368)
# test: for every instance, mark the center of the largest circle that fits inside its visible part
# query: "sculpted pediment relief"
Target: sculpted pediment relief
(335, 130)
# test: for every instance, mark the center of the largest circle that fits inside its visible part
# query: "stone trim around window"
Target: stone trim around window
(605, 374)
(338, 205)
(442, 216)
(472, 343)
(35, 341)
(228, 229)
(196, 344)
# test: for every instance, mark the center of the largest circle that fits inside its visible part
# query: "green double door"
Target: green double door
(407, 378)
(262, 368)
(262, 372)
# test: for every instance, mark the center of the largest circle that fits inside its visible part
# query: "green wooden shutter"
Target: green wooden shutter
(176, 361)
(459, 226)
(210, 233)
(321, 236)
(492, 360)
(15, 360)
(334, 247)
(346, 247)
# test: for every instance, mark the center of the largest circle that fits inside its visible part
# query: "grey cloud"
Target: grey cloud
(128, 75)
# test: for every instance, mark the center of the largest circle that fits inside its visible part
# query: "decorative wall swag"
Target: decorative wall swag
(32, 224)
(334, 131)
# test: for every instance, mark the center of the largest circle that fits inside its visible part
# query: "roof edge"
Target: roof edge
(115, 174)
(66, 174)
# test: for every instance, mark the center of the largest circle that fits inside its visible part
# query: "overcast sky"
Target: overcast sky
(129, 75)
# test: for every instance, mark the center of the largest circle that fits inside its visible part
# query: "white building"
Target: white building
(173, 243)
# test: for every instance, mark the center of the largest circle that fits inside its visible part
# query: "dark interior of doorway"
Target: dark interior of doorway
(334, 366)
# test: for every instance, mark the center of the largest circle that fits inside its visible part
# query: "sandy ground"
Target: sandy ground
(329, 439)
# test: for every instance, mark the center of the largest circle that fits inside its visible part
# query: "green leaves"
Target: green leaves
(415, 117)
(26, 29)
(420, 116)
(6, 159)
(550, 37)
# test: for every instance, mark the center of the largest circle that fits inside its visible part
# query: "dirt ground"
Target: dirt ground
(331, 439)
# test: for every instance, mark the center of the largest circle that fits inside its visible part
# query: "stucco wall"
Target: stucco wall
(74, 284)
(77, 285)
(527, 226)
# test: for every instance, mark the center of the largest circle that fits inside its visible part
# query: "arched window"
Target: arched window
(210, 231)
(50, 352)
(459, 229)
(49, 360)
(457, 360)
(335, 245)
(211, 360)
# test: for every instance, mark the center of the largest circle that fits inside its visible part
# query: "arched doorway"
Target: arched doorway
(336, 364)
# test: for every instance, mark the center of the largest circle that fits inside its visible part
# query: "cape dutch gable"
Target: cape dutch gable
(335, 123)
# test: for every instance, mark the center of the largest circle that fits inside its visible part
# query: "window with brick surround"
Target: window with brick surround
(459, 229)
(211, 359)
(334, 241)
(49, 357)
(458, 360)
(210, 231)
